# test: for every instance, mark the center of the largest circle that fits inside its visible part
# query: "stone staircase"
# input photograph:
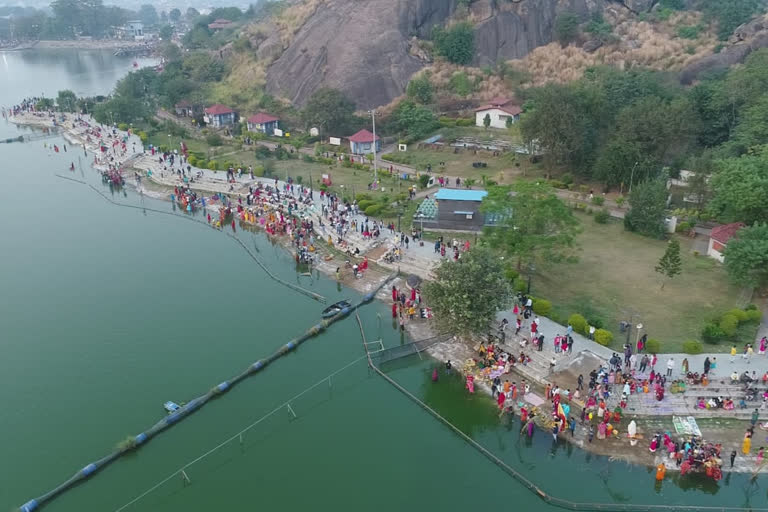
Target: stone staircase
(684, 404)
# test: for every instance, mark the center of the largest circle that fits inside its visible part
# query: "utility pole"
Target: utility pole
(375, 168)
(632, 176)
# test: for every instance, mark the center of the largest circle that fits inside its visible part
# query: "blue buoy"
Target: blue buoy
(140, 438)
(320, 327)
(258, 365)
(29, 506)
(88, 470)
(368, 297)
(290, 345)
(172, 418)
(223, 386)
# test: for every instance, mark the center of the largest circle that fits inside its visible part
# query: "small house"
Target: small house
(185, 108)
(362, 142)
(220, 24)
(719, 237)
(459, 209)
(262, 123)
(500, 110)
(134, 29)
(220, 115)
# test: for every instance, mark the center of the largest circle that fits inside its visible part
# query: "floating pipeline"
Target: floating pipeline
(193, 405)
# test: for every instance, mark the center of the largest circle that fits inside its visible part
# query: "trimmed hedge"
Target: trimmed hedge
(373, 210)
(692, 347)
(603, 337)
(653, 346)
(542, 306)
(578, 322)
(729, 323)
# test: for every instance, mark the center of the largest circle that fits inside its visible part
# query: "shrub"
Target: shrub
(144, 137)
(192, 160)
(373, 210)
(689, 32)
(307, 158)
(751, 307)
(123, 127)
(202, 164)
(542, 306)
(424, 180)
(465, 122)
(521, 286)
(446, 121)
(603, 337)
(712, 333)
(567, 178)
(620, 201)
(364, 204)
(683, 227)
(460, 84)
(566, 27)
(740, 314)
(213, 139)
(754, 315)
(602, 217)
(258, 171)
(595, 322)
(598, 200)
(729, 324)
(653, 346)
(213, 165)
(456, 44)
(578, 322)
(692, 347)
(511, 274)
(557, 184)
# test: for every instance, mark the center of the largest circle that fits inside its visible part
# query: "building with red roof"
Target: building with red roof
(499, 110)
(219, 115)
(719, 237)
(262, 123)
(220, 24)
(361, 143)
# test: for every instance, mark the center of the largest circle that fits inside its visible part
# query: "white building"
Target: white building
(499, 110)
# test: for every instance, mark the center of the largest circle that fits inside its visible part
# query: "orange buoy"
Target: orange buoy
(661, 470)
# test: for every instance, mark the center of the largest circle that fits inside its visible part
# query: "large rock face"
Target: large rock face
(358, 46)
(511, 30)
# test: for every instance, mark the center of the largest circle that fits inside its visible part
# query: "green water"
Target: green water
(108, 312)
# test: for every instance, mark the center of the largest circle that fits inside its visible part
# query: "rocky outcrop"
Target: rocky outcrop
(745, 39)
(514, 29)
(360, 47)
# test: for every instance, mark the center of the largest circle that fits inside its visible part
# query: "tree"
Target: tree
(329, 110)
(487, 121)
(456, 43)
(730, 14)
(67, 101)
(174, 15)
(420, 89)
(647, 205)
(670, 264)
(565, 121)
(746, 256)
(148, 14)
(466, 294)
(165, 32)
(201, 67)
(566, 27)
(740, 188)
(414, 121)
(192, 14)
(530, 223)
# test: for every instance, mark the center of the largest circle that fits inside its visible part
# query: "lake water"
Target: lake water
(108, 312)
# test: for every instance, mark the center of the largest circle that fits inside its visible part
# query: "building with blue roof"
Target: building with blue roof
(453, 208)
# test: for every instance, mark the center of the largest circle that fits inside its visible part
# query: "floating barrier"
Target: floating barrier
(193, 405)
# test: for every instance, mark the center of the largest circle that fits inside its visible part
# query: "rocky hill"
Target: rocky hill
(369, 49)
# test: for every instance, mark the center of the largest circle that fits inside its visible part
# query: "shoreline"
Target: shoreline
(140, 161)
(78, 44)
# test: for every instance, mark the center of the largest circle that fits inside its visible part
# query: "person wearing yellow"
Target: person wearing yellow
(746, 445)
(733, 353)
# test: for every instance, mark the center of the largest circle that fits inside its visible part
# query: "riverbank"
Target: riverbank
(163, 183)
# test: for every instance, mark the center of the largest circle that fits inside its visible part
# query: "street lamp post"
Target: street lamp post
(375, 168)
(531, 270)
(632, 176)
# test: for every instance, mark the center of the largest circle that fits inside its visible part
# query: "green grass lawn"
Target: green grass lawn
(615, 278)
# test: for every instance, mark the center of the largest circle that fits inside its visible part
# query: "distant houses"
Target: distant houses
(185, 108)
(361, 143)
(219, 116)
(500, 110)
(262, 123)
(220, 24)
(131, 30)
